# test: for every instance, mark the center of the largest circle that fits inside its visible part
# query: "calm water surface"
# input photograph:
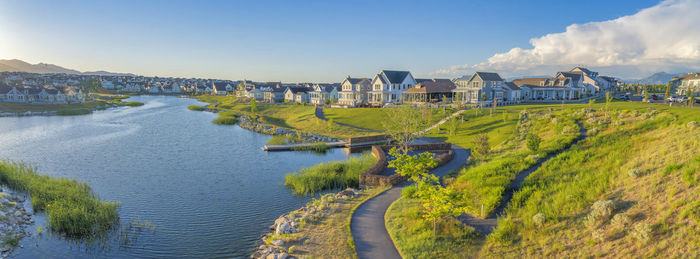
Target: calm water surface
(208, 189)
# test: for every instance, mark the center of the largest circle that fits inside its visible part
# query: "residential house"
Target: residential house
(690, 82)
(297, 94)
(354, 91)
(388, 85)
(132, 88)
(551, 88)
(430, 91)
(203, 89)
(595, 84)
(323, 92)
(480, 86)
(275, 95)
(222, 88)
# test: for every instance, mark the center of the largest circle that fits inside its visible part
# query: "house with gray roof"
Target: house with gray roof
(480, 87)
(354, 91)
(388, 85)
(323, 92)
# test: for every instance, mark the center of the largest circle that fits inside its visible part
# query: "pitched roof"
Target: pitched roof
(298, 89)
(395, 77)
(432, 87)
(576, 76)
(512, 86)
(531, 81)
(220, 86)
(356, 80)
(489, 76)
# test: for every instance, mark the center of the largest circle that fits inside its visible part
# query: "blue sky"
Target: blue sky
(292, 41)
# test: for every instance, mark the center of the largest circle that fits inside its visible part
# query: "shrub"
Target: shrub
(634, 172)
(620, 220)
(533, 142)
(598, 235)
(593, 132)
(408, 191)
(692, 124)
(291, 249)
(506, 232)
(539, 219)
(601, 211)
(642, 231)
(226, 119)
(481, 145)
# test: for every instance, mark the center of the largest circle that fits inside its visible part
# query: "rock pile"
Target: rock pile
(287, 226)
(255, 126)
(14, 219)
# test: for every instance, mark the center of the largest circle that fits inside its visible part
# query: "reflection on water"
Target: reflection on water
(208, 190)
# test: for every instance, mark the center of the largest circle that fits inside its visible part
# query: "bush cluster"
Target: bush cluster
(601, 211)
(642, 231)
(324, 176)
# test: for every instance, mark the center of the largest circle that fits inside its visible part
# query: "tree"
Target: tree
(437, 202)
(253, 106)
(646, 95)
(416, 167)
(668, 91)
(691, 100)
(481, 145)
(533, 142)
(590, 103)
(331, 125)
(327, 101)
(452, 126)
(405, 123)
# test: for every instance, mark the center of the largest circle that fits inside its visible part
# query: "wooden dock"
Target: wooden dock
(338, 144)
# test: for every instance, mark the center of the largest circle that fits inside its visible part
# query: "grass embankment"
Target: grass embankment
(485, 180)
(372, 118)
(60, 109)
(331, 175)
(413, 236)
(133, 104)
(646, 161)
(290, 116)
(72, 207)
(329, 236)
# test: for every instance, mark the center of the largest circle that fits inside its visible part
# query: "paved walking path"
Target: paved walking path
(443, 121)
(320, 115)
(367, 225)
(486, 226)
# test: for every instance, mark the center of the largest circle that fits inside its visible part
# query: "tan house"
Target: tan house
(354, 91)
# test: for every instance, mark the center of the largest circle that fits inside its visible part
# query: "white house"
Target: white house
(296, 94)
(323, 92)
(222, 88)
(388, 85)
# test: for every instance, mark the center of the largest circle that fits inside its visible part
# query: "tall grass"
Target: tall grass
(73, 208)
(331, 175)
(226, 118)
(278, 140)
(316, 147)
(195, 108)
(133, 104)
(70, 112)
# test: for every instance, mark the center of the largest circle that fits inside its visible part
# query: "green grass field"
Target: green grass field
(372, 118)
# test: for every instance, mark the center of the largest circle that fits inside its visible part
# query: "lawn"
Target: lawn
(372, 118)
(290, 116)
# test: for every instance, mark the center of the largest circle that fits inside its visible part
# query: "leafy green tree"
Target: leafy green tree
(481, 145)
(452, 126)
(668, 91)
(437, 202)
(253, 106)
(646, 94)
(416, 167)
(533, 142)
(691, 100)
(591, 102)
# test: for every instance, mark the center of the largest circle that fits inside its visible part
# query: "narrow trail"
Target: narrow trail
(443, 121)
(321, 116)
(486, 226)
(367, 224)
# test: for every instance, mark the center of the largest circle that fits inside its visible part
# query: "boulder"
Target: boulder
(277, 242)
(284, 228)
(282, 255)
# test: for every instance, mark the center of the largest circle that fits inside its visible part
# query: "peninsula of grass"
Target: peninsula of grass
(226, 118)
(133, 104)
(331, 175)
(278, 140)
(195, 108)
(294, 117)
(73, 208)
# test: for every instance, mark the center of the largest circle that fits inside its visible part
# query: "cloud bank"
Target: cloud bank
(665, 37)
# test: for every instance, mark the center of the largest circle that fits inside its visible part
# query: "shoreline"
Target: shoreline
(16, 215)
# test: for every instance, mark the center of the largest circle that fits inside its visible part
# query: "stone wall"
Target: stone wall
(372, 176)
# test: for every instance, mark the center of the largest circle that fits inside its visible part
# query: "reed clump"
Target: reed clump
(331, 175)
(73, 208)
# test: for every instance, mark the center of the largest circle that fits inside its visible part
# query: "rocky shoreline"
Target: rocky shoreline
(16, 215)
(288, 226)
(247, 123)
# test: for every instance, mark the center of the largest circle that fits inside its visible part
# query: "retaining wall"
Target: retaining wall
(372, 176)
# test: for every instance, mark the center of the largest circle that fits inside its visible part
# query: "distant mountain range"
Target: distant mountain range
(16, 65)
(658, 78)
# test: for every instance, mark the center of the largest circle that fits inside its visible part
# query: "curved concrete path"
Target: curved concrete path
(367, 224)
(486, 226)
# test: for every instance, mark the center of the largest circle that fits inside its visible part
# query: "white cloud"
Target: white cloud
(665, 37)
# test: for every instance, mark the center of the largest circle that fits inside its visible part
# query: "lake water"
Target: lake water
(208, 189)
